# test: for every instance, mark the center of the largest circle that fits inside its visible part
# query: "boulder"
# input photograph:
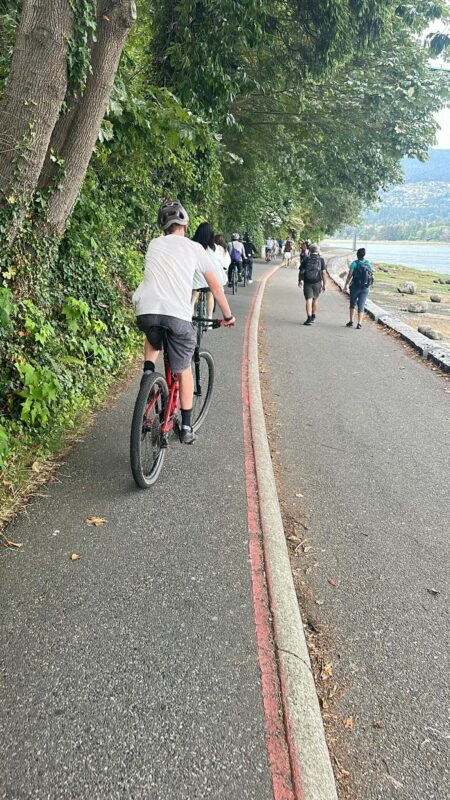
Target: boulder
(407, 287)
(418, 308)
(435, 298)
(430, 332)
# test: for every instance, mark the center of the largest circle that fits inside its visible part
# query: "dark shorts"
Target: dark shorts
(181, 338)
(312, 291)
(358, 297)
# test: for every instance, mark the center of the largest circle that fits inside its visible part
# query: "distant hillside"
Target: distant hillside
(437, 168)
(417, 210)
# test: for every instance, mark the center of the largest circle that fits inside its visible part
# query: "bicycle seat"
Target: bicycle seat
(203, 289)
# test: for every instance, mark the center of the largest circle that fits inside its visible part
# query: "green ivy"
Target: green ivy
(79, 44)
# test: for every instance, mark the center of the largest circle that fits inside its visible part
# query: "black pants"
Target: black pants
(238, 264)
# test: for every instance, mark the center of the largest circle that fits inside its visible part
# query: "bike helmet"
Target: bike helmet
(172, 212)
(235, 237)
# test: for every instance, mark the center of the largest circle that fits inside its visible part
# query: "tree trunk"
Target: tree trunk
(32, 100)
(115, 19)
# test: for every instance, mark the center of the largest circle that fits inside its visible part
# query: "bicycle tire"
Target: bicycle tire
(143, 476)
(235, 280)
(244, 276)
(201, 403)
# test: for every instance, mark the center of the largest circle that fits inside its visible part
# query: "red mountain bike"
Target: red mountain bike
(157, 409)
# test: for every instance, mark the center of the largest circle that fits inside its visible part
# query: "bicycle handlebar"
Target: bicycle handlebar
(212, 323)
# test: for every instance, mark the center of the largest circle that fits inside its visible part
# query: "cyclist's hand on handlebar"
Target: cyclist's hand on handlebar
(228, 323)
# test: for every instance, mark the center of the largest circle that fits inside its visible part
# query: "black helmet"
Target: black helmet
(172, 212)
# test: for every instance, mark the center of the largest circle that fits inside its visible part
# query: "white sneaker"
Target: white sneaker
(250, 281)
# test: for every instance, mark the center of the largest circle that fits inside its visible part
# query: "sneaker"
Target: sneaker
(358, 327)
(349, 325)
(187, 436)
(250, 280)
(308, 321)
(313, 317)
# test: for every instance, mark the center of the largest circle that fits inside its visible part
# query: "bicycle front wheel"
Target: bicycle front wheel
(204, 372)
(146, 450)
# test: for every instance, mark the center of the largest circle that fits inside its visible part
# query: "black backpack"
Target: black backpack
(312, 268)
(362, 275)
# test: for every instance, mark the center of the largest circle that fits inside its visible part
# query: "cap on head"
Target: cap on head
(170, 213)
(235, 237)
(314, 248)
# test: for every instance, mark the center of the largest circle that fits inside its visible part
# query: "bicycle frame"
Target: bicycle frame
(173, 382)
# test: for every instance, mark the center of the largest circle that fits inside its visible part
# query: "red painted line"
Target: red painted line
(286, 779)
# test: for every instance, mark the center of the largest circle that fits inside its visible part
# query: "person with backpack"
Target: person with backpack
(360, 278)
(312, 275)
(237, 255)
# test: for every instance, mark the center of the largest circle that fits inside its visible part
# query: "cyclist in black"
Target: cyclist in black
(250, 251)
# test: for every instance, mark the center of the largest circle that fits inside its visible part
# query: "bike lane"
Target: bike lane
(360, 441)
(133, 672)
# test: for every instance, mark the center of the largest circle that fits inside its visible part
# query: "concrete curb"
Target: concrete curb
(304, 725)
(438, 354)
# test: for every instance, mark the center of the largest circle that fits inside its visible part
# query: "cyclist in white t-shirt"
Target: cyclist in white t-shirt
(163, 302)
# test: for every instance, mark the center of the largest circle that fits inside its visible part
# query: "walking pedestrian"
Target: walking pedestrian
(360, 278)
(313, 276)
(288, 252)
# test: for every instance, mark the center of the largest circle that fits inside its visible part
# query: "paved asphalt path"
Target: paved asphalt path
(133, 673)
(365, 438)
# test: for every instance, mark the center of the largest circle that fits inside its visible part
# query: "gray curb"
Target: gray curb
(438, 354)
(305, 725)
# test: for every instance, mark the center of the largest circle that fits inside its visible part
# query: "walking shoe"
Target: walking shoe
(358, 327)
(187, 436)
(349, 325)
(250, 280)
(313, 317)
(308, 321)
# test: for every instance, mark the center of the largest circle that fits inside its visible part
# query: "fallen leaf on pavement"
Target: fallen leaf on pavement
(348, 723)
(378, 725)
(298, 494)
(433, 591)
(325, 703)
(293, 538)
(332, 582)
(307, 549)
(97, 521)
(320, 602)
(327, 671)
(74, 557)
(8, 543)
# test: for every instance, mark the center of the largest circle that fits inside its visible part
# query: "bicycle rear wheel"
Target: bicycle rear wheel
(146, 450)
(204, 372)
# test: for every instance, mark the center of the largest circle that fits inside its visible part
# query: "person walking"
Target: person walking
(360, 278)
(288, 252)
(313, 277)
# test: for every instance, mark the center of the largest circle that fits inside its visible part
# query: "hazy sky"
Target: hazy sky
(443, 139)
